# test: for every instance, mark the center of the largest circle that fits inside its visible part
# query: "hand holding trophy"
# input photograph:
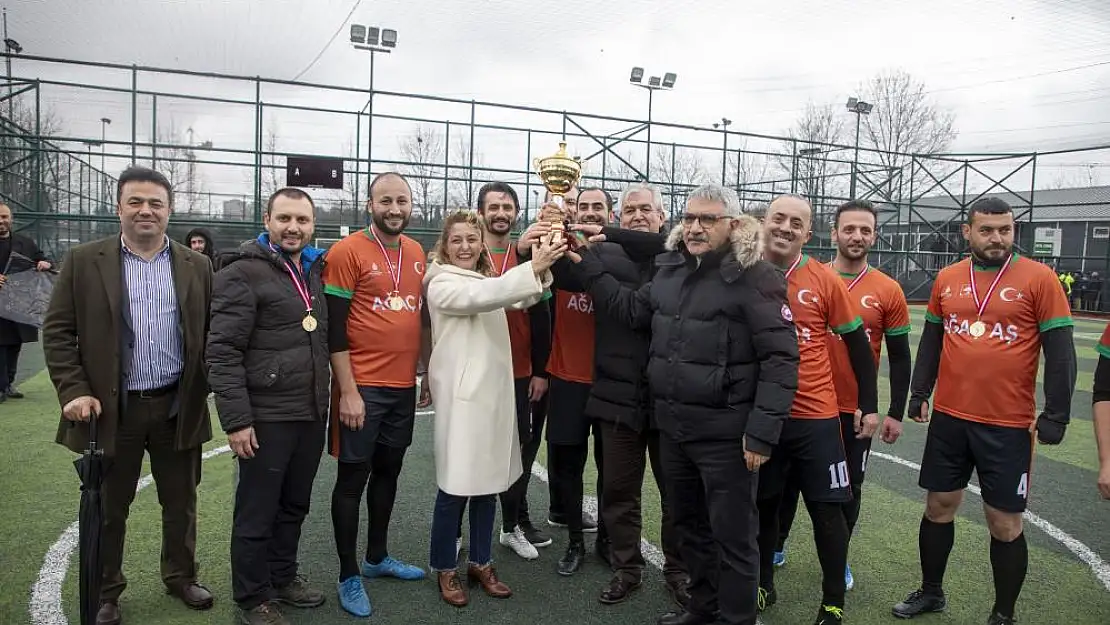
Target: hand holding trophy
(559, 173)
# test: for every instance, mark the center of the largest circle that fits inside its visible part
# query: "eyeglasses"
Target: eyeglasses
(706, 221)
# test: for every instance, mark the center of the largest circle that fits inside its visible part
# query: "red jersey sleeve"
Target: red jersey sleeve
(341, 270)
(896, 312)
(1051, 304)
(842, 314)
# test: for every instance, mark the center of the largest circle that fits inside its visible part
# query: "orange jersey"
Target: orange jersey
(572, 342)
(882, 307)
(820, 306)
(1103, 347)
(520, 331)
(384, 344)
(990, 379)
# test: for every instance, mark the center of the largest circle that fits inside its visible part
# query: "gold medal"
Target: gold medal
(309, 323)
(395, 302)
(978, 329)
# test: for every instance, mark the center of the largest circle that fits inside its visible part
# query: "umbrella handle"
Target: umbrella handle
(94, 417)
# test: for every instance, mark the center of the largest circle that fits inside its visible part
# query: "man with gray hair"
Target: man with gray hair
(722, 366)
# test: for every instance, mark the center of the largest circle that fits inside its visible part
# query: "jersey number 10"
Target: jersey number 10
(838, 476)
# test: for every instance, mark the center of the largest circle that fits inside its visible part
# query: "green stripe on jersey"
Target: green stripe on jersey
(851, 326)
(1058, 322)
(338, 292)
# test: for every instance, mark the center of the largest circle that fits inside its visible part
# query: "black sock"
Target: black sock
(1009, 561)
(851, 509)
(381, 494)
(934, 541)
(345, 500)
(768, 536)
(788, 508)
(830, 534)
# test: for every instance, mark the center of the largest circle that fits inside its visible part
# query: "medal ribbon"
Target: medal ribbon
(855, 281)
(301, 286)
(981, 306)
(394, 275)
(504, 261)
(794, 266)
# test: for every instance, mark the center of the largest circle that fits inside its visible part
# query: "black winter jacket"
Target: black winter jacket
(619, 393)
(723, 358)
(262, 364)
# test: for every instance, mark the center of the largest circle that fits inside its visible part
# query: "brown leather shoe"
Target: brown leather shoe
(451, 589)
(487, 577)
(193, 595)
(108, 614)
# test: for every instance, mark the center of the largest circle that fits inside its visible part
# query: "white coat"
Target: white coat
(477, 447)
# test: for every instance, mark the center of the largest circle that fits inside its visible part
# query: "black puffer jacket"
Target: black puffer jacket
(619, 393)
(262, 365)
(723, 359)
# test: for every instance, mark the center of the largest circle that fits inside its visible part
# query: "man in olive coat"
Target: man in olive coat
(124, 340)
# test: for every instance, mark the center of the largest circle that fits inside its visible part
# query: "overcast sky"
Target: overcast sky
(1020, 75)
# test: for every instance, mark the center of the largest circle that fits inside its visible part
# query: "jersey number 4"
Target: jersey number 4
(1023, 486)
(838, 476)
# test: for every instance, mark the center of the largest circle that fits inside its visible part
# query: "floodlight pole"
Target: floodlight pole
(860, 108)
(364, 43)
(666, 83)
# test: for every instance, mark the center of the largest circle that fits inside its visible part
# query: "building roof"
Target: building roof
(1047, 205)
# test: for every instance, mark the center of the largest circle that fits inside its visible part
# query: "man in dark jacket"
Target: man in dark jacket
(200, 241)
(723, 370)
(17, 253)
(268, 365)
(621, 404)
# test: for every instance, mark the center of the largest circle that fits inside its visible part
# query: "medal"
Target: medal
(309, 323)
(393, 301)
(504, 261)
(979, 328)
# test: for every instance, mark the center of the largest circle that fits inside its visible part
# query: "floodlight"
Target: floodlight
(668, 80)
(653, 81)
(372, 35)
(389, 38)
(637, 74)
(852, 104)
(358, 33)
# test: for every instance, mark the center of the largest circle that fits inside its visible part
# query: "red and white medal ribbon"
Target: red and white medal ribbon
(504, 261)
(856, 280)
(793, 266)
(980, 306)
(394, 274)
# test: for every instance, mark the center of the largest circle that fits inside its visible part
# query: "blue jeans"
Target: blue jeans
(445, 523)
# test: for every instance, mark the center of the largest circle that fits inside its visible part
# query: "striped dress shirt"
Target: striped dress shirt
(157, 354)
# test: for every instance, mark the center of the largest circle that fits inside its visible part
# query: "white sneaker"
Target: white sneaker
(516, 541)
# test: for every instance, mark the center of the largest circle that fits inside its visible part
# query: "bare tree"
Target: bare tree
(808, 158)
(463, 179)
(423, 152)
(904, 120)
(745, 172)
(677, 171)
(272, 166)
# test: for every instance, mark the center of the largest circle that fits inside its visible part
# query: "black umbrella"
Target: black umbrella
(90, 467)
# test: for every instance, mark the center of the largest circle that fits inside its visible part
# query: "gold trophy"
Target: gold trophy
(559, 173)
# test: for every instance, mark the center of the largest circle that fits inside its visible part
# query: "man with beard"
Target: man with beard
(372, 279)
(268, 367)
(988, 319)
(620, 402)
(568, 425)
(722, 367)
(810, 451)
(17, 253)
(200, 241)
(882, 306)
(530, 344)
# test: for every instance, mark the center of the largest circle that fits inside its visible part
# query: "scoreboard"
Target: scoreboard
(314, 171)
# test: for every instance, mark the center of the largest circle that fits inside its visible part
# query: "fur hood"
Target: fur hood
(746, 240)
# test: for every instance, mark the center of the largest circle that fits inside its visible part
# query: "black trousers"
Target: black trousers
(9, 364)
(528, 453)
(272, 500)
(713, 497)
(567, 468)
(145, 428)
(626, 454)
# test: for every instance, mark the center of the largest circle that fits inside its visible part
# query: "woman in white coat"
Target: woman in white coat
(470, 373)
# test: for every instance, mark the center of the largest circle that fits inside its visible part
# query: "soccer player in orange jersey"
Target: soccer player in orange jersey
(530, 343)
(989, 317)
(882, 306)
(810, 450)
(1101, 410)
(376, 335)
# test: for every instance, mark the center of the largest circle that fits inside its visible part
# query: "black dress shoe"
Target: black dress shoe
(193, 595)
(572, 559)
(686, 618)
(13, 392)
(108, 614)
(619, 589)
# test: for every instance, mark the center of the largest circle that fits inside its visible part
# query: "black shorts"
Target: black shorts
(390, 417)
(567, 423)
(1001, 456)
(523, 411)
(856, 449)
(810, 453)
